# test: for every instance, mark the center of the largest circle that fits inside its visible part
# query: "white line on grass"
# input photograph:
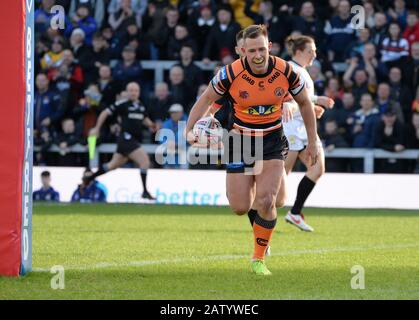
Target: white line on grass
(102, 265)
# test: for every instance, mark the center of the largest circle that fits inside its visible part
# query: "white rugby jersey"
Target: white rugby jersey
(308, 83)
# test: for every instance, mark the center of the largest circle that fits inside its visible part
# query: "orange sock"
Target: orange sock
(262, 233)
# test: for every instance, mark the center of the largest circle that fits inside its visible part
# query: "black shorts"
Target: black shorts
(126, 144)
(273, 145)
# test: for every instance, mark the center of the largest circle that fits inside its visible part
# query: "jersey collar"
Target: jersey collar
(270, 68)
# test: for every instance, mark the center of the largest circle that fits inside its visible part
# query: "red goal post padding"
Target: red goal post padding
(16, 83)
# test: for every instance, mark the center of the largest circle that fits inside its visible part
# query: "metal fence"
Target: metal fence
(368, 155)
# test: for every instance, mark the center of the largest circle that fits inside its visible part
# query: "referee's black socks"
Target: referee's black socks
(143, 174)
(304, 189)
(102, 169)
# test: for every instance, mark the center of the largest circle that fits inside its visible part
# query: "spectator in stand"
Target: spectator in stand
(43, 16)
(363, 126)
(83, 53)
(360, 81)
(385, 103)
(278, 26)
(413, 140)
(369, 14)
(339, 32)
(160, 34)
(180, 91)
(343, 114)
(413, 132)
(222, 37)
(363, 122)
(84, 21)
(400, 91)
(319, 79)
(89, 190)
(136, 39)
(333, 139)
(308, 24)
(160, 103)
(53, 58)
(193, 74)
(47, 105)
(175, 147)
(88, 109)
(356, 48)
(411, 33)
(201, 27)
(334, 91)
(121, 17)
(129, 69)
(179, 39)
(96, 7)
(394, 48)
(69, 81)
(47, 192)
(397, 13)
(65, 140)
(379, 31)
(101, 53)
(390, 136)
(412, 68)
(107, 86)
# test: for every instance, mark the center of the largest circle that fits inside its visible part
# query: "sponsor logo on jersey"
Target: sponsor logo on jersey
(261, 110)
(274, 76)
(248, 79)
(136, 116)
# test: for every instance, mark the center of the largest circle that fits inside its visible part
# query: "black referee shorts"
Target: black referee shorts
(273, 145)
(127, 143)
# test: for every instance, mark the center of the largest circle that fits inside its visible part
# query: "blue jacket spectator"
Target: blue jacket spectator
(89, 193)
(47, 105)
(84, 21)
(43, 17)
(339, 32)
(46, 193)
(173, 137)
(364, 123)
(89, 190)
(128, 69)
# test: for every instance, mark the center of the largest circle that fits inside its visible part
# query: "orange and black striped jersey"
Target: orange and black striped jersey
(257, 98)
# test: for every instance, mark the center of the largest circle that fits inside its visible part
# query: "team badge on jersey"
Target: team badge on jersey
(279, 92)
(243, 94)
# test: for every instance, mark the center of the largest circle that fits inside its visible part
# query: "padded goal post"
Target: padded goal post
(16, 101)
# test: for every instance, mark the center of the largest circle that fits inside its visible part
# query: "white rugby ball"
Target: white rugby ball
(208, 131)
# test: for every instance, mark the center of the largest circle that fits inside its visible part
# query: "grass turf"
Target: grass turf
(182, 252)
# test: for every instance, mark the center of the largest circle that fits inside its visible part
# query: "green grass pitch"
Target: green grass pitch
(183, 252)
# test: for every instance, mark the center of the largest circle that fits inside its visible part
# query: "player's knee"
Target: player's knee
(280, 202)
(265, 202)
(240, 209)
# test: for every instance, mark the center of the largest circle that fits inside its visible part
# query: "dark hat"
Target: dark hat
(390, 112)
(129, 49)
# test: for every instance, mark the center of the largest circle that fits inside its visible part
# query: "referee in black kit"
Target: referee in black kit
(133, 116)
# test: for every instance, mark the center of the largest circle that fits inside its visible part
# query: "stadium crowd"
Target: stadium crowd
(83, 68)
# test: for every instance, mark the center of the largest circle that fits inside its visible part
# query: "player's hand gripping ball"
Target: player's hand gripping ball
(208, 131)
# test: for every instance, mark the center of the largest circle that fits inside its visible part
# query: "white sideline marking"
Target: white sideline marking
(102, 265)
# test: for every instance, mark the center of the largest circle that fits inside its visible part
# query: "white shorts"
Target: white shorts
(296, 134)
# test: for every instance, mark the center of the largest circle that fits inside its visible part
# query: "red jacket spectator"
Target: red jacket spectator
(411, 33)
